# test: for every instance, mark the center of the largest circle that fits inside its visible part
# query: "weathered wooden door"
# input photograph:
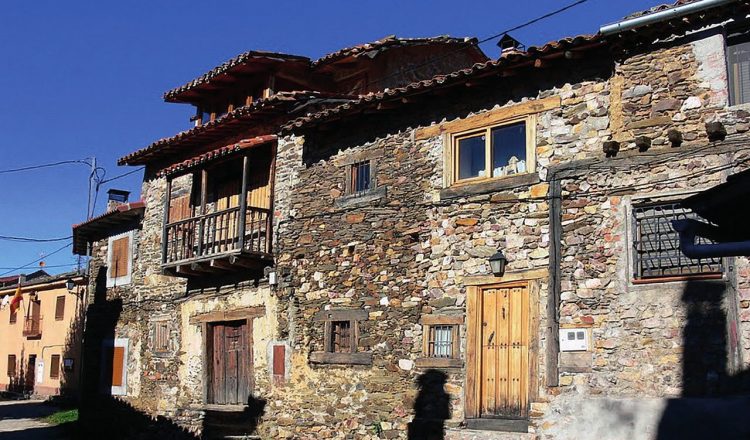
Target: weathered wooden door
(231, 372)
(503, 351)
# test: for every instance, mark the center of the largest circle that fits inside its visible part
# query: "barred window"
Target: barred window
(440, 341)
(738, 66)
(341, 336)
(657, 245)
(359, 179)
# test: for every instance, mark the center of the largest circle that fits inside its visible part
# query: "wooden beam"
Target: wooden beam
(229, 315)
(185, 270)
(164, 241)
(243, 200)
(490, 117)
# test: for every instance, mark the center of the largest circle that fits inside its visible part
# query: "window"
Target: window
(119, 255)
(440, 341)
(60, 308)
(54, 367)
(115, 362)
(161, 337)
(11, 365)
(360, 177)
(13, 316)
(738, 66)
(493, 152)
(656, 245)
(341, 338)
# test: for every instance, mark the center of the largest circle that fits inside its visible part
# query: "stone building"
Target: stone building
(185, 320)
(571, 159)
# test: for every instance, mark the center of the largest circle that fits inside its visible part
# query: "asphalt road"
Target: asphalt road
(19, 421)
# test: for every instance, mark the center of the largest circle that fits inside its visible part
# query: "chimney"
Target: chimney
(509, 44)
(116, 197)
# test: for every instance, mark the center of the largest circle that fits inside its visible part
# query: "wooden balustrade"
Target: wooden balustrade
(218, 233)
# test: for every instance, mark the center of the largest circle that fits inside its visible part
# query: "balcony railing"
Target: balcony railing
(32, 327)
(218, 234)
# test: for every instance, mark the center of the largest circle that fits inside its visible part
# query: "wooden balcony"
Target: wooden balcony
(226, 240)
(32, 327)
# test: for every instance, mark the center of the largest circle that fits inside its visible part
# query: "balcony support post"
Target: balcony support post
(202, 221)
(243, 201)
(271, 193)
(165, 234)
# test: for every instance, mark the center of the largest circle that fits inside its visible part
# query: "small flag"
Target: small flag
(17, 298)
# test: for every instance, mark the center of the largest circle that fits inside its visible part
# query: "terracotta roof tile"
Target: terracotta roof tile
(93, 228)
(387, 43)
(229, 65)
(508, 59)
(217, 153)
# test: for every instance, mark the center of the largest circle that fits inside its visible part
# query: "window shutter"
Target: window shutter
(13, 316)
(54, 367)
(119, 262)
(11, 365)
(118, 361)
(60, 308)
(179, 208)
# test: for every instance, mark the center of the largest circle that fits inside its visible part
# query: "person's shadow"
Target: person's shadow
(431, 407)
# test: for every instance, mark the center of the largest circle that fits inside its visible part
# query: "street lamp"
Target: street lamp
(497, 263)
(70, 284)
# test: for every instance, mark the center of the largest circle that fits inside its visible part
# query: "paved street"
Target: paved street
(19, 421)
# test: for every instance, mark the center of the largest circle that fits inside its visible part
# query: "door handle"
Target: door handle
(489, 340)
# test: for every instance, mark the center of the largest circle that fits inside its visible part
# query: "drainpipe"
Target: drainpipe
(676, 12)
(690, 228)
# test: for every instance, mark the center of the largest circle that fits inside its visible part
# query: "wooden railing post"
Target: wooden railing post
(202, 220)
(243, 201)
(165, 236)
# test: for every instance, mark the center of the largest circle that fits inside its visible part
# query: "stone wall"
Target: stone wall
(412, 252)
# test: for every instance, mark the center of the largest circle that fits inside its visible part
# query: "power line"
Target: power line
(484, 40)
(121, 175)
(45, 267)
(46, 165)
(37, 260)
(33, 240)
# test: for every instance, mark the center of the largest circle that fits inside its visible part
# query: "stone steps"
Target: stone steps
(471, 434)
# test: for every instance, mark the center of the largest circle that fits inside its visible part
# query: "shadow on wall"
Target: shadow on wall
(714, 403)
(431, 407)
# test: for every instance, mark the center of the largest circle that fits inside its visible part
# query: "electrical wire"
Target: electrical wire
(483, 40)
(122, 175)
(33, 240)
(37, 260)
(46, 165)
(53, 266)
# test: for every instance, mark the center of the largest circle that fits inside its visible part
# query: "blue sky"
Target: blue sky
(85, 78)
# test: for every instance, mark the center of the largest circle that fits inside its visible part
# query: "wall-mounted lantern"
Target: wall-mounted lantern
(70, 284)
(497, 263)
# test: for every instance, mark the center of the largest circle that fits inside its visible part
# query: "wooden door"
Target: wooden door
(30, 373)
(231, 367)
(503, 351)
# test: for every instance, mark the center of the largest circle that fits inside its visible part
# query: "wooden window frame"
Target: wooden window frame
(351, 180)
(328, 356)
(12, 372)
(60, 308)
(734, 37)
(54, 373)
(428, 361)
(127, 278)
(453, 157)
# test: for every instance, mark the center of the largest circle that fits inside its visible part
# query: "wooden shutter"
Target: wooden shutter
(11, 365)
(118, 365)
(179, 208)
(13, 316)
(60, 308)
(54, 367)
(119, 261)
(279, 363)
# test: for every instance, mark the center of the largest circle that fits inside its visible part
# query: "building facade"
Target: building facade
(40, 352)
(318, 261)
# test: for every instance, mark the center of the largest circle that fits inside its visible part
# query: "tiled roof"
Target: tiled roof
(43, 278)
(229, 65)
(13, 279)
(372, 48)
(217, 153)
(97, 227)
(508, 59)
(214, 130)
(659, 8)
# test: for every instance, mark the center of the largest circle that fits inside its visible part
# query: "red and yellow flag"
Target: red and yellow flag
(17, 298)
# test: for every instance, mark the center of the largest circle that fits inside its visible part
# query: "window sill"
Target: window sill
(368, 197)
(323, 357)
(489, 185)
(697, 277)
(427, 362)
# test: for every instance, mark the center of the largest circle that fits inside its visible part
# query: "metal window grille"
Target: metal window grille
(657, 245)
(440, 342)
(360, 177)
(341, 336)
(738, 67)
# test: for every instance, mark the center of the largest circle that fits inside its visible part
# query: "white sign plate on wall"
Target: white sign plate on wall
(574, 339)
(39, 371)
